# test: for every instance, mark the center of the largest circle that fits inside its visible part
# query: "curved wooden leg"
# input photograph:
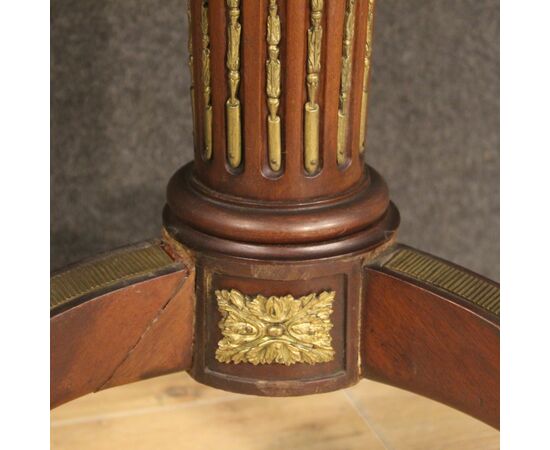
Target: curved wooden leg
(122, 317)
(432, 328)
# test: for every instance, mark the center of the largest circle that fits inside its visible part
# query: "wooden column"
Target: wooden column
(279, 94)
(280, 78)
(289, 73)
(279, 208)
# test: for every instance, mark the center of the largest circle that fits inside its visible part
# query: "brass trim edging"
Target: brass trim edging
(96, 275)
(447, 277)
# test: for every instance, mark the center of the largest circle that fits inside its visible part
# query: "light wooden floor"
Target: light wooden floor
(175, 412)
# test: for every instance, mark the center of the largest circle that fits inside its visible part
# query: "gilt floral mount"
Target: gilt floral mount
(281, 330)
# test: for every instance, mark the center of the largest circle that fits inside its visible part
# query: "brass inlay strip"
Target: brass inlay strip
(275, 330)
(345, 81)
(96, 275)
(311, 121)
(273, 86)
(449, 278)
(233, 104)
(368, 54)
(190, 60)
(207, 91)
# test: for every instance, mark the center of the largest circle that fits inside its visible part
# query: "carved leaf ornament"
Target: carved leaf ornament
(281, 330)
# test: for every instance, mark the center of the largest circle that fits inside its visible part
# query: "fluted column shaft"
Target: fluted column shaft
(279, 93)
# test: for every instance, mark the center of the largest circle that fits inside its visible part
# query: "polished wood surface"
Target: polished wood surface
(383, 231)
(246, 221)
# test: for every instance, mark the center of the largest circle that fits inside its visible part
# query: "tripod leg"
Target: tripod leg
(432, 328)
(125, 316)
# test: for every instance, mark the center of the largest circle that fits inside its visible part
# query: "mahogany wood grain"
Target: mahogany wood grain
(244, 220)
(431, 342)
(134, 331)
(382, 231)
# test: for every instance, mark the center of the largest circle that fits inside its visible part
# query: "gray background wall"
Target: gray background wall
(121, 122)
